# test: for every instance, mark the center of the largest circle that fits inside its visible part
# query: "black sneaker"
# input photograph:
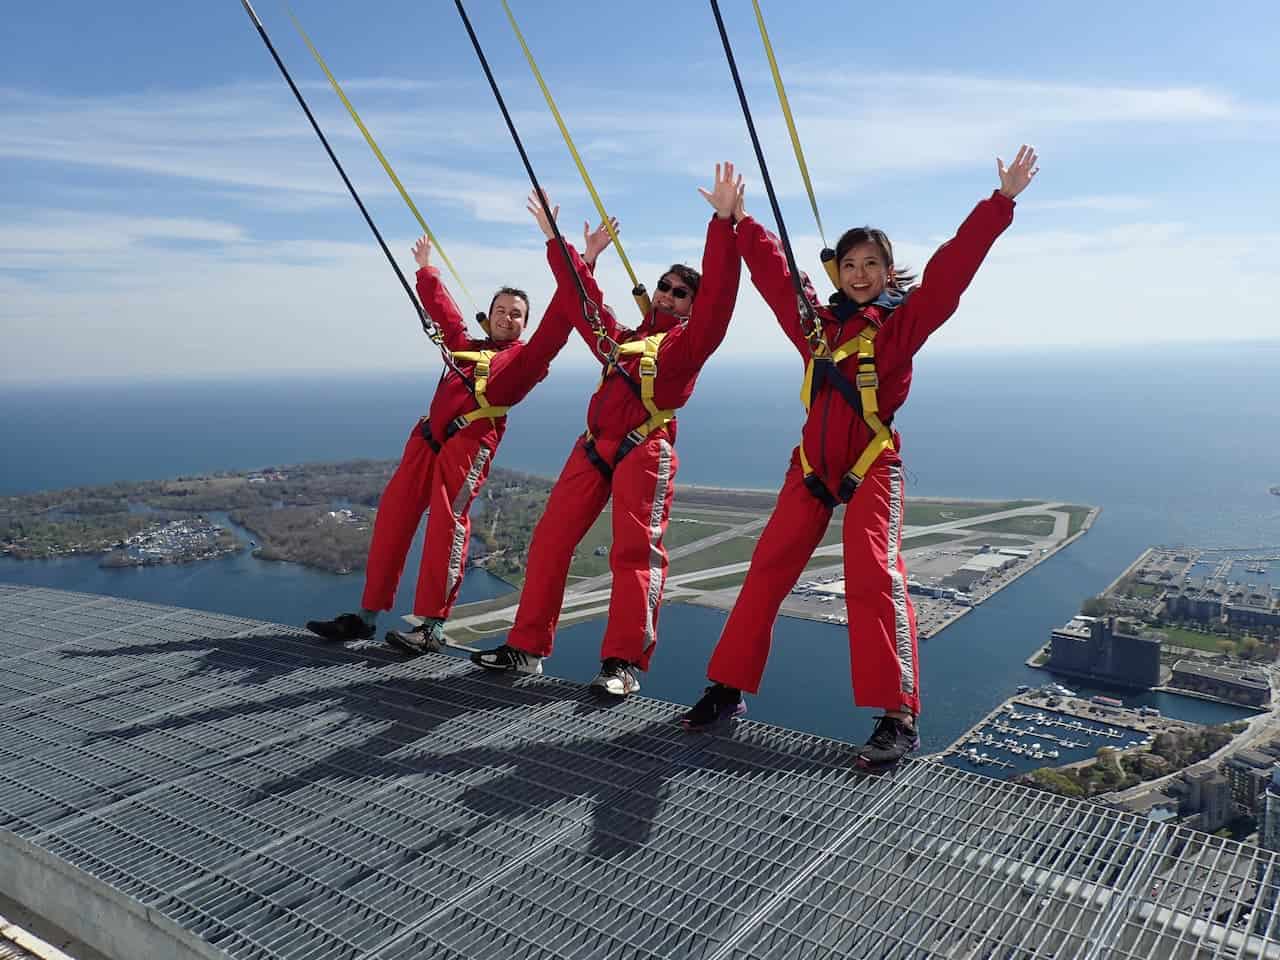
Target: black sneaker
(347, 626)
(617, 677)
(508, 659)
(426, 637)
(889, 742)
(719, 704)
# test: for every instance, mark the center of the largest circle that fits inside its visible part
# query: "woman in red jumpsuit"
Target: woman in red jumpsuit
(873, 299)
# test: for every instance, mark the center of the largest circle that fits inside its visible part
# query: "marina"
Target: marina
(1021, 734)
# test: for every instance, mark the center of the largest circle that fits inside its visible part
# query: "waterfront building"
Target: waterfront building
(1203, 604)
(1248, 772)
(1255, 610)
(1095, 647)
(1269, 829)
(1240, 684)
(1209, 798)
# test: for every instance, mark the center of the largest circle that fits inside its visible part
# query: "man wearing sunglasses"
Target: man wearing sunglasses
(627, 452)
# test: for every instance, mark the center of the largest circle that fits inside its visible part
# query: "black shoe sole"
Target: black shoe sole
(723, 719)
(334, 638)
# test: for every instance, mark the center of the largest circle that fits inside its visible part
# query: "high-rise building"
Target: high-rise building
(1269, 830)
(1097, 648)
(1209, 796)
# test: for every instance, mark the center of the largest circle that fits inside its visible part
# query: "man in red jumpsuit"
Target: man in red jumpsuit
(447, 457)
(875, 373)
(612, 459)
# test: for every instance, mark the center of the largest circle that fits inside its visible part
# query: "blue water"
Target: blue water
(1175, 444)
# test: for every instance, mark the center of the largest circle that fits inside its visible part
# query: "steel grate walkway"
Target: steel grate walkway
(254, 794)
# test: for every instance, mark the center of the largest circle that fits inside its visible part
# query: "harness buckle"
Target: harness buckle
(813, 483)
(867, 379)
(424, 427)
(848, 487)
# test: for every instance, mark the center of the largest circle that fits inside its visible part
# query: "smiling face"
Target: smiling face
(673, 295)
(507, 316)
(864, 272)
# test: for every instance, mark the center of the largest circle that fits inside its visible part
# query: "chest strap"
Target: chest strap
(647, 351)
(861, 395)
(480, 378)
(480, 381)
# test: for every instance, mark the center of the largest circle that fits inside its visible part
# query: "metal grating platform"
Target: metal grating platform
(254, 794)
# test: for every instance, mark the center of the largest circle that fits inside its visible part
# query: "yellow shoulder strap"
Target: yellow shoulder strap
(480, 374)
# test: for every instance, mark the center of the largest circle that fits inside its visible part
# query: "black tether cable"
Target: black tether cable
(806, 309)
(428, 326)
(589, 309)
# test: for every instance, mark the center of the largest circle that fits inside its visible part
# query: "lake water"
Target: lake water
(1169, 460)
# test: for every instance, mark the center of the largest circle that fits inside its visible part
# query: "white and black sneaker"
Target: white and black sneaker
(426, 637)
(508, 659)
(617, 677)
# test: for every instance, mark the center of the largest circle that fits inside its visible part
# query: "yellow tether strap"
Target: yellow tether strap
(828, 255)
(642, 299)
(381, 159)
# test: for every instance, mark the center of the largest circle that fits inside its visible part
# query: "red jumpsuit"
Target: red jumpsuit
(882, 623)
(643, 481)
(447, 480)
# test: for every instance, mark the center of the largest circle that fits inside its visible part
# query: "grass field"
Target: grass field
(1194, 639)
(931, 512)
(719, 583)
(1031, 525)
(929, 539)
(587, 564)
(1077, 515)
(731, 551)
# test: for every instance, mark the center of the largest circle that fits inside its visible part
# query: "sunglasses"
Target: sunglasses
(678, 292)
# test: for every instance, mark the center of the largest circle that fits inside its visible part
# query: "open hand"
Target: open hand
(1015, 177)
(422, 252)
(534, 206)
(595, 242)
(726, 193)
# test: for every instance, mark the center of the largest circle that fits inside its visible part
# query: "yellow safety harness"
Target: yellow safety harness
(479, 383)
(823, 367)
(647, 350)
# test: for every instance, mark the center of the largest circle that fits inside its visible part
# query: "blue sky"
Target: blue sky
(168, 212)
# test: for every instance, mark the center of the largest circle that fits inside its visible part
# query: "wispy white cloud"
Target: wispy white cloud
(242, 305)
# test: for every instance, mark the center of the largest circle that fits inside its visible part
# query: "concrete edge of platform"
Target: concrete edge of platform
(89, 909)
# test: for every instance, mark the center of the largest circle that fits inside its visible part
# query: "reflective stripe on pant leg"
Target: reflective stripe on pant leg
(882, 641)
(400, 509)
(657, 555)
(903, 634)
(461, 504)
(643, 487)
(460, 471)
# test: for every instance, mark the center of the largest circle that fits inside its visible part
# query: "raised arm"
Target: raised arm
(952, 268)
(436, 300)
(530, 366)
(721, 268)
(563, 272)
(762, 253)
